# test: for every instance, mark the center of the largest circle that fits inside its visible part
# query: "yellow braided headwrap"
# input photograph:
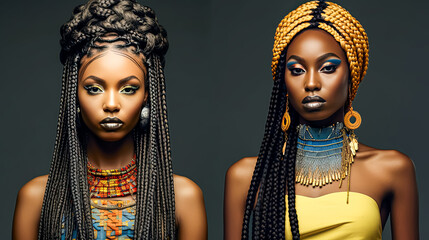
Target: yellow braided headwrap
(335, 20)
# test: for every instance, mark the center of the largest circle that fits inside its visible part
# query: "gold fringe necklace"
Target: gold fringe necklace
(325, 155)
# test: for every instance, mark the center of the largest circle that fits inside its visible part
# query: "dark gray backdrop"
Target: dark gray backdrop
(219, 83)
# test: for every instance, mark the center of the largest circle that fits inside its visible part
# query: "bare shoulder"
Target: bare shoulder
(34, 190)
(390, 168)
(237, 182)
(241, 172)
(390, 160)
(238, 179)
(185, 188)
(396, 173)
(28, 208)
(190, 212)
(188, 196)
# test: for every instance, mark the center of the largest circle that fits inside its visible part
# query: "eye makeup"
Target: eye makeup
(291, 63)
(129, 89)
(334, 61)
(295, 68)
(93, 89)
(330, 65)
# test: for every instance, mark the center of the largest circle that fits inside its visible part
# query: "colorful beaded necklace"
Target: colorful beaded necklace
(113, 182)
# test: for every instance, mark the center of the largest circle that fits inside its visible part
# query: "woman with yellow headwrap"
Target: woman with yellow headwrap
(312, 179)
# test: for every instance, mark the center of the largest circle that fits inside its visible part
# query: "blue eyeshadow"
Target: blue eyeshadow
(291, 63)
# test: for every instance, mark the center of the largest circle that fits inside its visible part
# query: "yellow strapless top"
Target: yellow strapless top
(329, 217)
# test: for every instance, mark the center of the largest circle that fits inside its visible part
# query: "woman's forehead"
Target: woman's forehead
(112, 60)
(313, 43)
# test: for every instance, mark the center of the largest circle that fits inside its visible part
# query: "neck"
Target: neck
(338, 116)
(110, 155)
(329, 133)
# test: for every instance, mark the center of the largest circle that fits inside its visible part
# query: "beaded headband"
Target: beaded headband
(335, 20)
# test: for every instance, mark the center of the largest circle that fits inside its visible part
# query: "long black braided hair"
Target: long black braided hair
(274, 172)
(66, 201)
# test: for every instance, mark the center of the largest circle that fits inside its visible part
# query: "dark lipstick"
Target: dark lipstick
(111, 123)
(313, 103)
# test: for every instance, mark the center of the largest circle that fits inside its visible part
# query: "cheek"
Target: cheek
(83, 104)
(89, 109)
(81, 100)
(133, 108)
(337, 86)
(294, 93)
(343, 89)
(133, 117)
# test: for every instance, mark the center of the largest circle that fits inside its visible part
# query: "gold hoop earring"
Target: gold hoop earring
(286, 116)
(349, 115)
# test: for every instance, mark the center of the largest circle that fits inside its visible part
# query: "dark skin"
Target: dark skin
(112, 86)
(313, 69)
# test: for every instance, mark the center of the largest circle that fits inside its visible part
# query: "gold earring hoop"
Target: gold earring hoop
(286, 116)
(349, 115)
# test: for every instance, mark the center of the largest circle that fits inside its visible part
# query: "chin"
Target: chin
(111, 136)
(315, 116)
(320, 118)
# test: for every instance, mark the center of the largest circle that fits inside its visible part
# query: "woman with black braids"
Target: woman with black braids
(111, 175)
(312, 179)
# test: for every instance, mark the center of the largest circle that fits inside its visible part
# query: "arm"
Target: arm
(28, 208)
(190, 210)
(404, 210)
(237, 183)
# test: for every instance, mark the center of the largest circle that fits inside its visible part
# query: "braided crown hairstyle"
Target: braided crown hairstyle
(67, 201)
(274, 172)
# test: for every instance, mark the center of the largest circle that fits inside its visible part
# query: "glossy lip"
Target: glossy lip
(316, 98)
(313, 103)
(111, 123)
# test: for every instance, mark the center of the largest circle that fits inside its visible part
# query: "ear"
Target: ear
(347, 104)
(146, 94)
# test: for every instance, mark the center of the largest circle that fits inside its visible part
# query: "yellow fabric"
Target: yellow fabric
(329, 217)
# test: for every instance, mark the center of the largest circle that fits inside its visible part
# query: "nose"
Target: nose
(111, 103)
(312, 83)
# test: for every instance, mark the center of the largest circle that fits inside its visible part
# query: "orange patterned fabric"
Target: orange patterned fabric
(111, 219)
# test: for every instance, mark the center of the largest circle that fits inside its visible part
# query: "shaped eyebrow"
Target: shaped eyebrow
(325, 56)
(319, 59)
(101, 81)
(299, 59)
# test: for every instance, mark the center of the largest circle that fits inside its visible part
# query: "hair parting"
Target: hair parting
(66, 203)
(274, 174)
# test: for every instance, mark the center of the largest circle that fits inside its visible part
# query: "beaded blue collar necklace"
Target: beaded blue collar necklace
(324, 154)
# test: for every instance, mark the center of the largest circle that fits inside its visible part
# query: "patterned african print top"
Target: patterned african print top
(111, 219)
